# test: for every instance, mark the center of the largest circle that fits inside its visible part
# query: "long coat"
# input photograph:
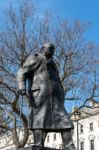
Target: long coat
(46, 94)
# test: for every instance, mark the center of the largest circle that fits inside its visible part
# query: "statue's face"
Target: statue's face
(49, 52)
(48, 49)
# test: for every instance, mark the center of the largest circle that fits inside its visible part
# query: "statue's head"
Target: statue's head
(48, 49)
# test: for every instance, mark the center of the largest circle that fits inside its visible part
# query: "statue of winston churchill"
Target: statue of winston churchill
(46, 97)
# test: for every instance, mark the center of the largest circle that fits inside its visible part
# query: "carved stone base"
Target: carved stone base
(37, 148)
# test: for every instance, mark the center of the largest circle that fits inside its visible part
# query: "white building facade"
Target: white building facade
(86, 131)
(86, 134)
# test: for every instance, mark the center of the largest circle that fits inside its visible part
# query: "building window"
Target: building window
(54, 137)
(91, 126)
(48, 138)
(92, 145)
(81, 129)
(82, 146)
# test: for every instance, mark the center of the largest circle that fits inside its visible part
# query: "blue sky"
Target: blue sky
(84, 10)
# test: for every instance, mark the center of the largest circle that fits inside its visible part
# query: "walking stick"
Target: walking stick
(21, 109)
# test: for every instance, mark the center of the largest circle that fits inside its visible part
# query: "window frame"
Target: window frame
(91, 126)
(81, 128)
(82, 145)
(92, 145)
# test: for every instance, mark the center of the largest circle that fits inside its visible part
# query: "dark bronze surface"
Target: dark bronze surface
(37, 148)
(46, 94)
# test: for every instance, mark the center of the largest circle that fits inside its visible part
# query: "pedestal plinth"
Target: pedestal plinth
(37, 148)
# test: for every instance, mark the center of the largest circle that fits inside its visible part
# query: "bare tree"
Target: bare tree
(77, 62)
(24, 33)
(14, 48)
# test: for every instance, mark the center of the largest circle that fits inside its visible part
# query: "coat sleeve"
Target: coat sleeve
(28, 68)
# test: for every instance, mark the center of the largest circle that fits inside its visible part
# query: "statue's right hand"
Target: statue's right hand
(22, 92)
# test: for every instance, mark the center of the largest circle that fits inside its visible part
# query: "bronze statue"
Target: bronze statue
(46, 97)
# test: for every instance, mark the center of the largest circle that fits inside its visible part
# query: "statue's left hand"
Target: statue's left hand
(22, 92)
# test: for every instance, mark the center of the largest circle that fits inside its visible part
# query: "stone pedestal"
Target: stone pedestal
(37, 148)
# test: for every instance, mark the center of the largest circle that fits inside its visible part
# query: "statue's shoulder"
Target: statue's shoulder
(34, 55)
(38, 55)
